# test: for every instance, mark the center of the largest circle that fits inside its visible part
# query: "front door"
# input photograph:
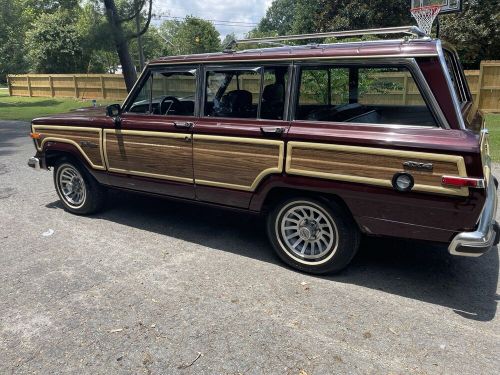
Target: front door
(238, 140)
(152, 146)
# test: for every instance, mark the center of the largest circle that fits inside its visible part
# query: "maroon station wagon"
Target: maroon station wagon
(328, 141)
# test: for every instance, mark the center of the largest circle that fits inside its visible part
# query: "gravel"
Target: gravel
(159, 287)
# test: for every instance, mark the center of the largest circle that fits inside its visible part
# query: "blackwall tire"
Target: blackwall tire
(312, 235)
(78, 191)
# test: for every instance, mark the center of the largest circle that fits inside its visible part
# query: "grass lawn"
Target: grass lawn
(493, 125)
(26, 109)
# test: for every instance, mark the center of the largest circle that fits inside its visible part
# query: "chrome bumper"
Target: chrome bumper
(34, 163)
(474, 244)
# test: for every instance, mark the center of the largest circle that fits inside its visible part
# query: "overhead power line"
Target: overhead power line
(215, 22)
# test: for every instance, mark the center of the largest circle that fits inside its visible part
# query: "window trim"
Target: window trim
(408, 63)
(147, 75)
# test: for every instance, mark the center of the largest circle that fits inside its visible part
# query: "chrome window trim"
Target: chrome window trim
(456, 102)
(412, 66)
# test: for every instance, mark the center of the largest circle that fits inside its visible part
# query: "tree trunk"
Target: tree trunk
(128, 68)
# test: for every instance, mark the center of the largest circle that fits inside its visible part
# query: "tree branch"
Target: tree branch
(146, 26)
(138, 8)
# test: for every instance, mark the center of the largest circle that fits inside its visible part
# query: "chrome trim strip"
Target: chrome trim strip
(456, 103)
(483, 238)
(34, 163)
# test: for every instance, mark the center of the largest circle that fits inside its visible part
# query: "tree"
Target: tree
(54, 45)
(12, 59)
(121, 37)
(475, 32)
(192, 35)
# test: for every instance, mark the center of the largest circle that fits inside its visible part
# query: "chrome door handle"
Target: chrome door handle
(183, 125)
(272, 130)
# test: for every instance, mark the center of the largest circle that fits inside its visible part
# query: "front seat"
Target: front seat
(273, 100)
(236, 103)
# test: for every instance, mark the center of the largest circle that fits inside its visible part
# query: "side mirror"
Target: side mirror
(113, 110)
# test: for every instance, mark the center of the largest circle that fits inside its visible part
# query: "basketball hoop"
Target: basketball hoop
(425, 16)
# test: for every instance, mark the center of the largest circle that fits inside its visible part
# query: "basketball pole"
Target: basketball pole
(437, 27)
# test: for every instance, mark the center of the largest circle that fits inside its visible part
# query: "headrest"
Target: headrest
(237, 100)
(274, 93)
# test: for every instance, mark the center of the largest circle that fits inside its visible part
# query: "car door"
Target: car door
(152, 143)
(238, 140)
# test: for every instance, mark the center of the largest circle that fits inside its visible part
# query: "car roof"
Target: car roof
(348, 50)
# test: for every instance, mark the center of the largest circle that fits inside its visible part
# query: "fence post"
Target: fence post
(29, 85)
(103, 92)
(405, 88)
(75, 82)
(477, 102)
(9, 84)
(51, 85)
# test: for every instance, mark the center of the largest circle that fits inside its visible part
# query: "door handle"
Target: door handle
(272, 130)
(183, 125)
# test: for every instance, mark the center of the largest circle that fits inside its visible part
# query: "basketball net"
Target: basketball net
(425, 16)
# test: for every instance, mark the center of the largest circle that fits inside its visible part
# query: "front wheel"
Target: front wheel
(312, 235)
(77, 189)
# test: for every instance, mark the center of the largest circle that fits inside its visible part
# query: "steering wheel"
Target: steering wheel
(176, 103)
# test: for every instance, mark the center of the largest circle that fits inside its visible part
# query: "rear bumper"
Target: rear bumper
(474, 244)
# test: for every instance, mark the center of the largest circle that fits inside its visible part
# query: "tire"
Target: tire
(78, 191)
(325, 237)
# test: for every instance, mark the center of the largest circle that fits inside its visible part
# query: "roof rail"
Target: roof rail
(406, 30)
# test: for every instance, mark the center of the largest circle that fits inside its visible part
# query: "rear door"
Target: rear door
(238, 140)
(152, 146)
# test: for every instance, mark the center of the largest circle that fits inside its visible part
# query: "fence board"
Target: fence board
(484, 85)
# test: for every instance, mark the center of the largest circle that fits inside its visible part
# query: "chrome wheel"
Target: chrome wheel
(307, 232)
(71, 185)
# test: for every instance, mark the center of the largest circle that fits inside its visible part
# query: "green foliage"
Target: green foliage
(475, 32)
(192, 35)
(54, 44)
(12, 24)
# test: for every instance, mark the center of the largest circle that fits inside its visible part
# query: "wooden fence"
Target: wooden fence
(81, 86)
(484, 85)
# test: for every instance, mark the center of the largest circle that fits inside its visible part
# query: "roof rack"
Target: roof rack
(413, 31)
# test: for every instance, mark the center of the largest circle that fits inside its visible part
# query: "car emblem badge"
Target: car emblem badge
(418, 165)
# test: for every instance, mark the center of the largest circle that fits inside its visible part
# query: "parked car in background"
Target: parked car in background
(327, 141)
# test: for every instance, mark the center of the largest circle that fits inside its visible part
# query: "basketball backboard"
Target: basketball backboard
(447, 6)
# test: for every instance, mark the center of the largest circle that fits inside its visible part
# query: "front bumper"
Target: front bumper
(34, 162)
(474, 244)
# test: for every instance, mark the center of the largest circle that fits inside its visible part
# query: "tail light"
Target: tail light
(463, 182)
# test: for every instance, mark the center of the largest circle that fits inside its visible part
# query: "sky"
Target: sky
(238, 16)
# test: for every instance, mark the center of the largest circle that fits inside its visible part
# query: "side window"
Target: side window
(273, 93)
(375, 95)
(232, 93)
(167, 93)
(452, 70)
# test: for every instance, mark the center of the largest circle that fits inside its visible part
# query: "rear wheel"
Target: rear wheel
(79, 192)
(312, 235)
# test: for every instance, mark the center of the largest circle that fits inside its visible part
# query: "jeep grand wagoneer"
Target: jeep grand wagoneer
(329, 141)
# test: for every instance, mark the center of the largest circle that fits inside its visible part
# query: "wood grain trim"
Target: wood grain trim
(359, 175)
(153, 134)
(278, 168)
(98, 131)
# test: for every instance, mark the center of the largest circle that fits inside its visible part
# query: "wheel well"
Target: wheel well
(51, 157)
(278, 195)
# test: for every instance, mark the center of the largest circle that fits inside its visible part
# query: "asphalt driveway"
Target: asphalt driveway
(153, 286)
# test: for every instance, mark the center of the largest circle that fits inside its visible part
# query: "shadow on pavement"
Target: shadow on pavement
(11, 131)
(410, 269)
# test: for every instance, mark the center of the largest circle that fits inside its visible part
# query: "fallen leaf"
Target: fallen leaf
(367, 335)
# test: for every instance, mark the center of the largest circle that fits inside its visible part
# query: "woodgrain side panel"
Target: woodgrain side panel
(237, 163)
(86, 140)
(152, 154)
(373, 166)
